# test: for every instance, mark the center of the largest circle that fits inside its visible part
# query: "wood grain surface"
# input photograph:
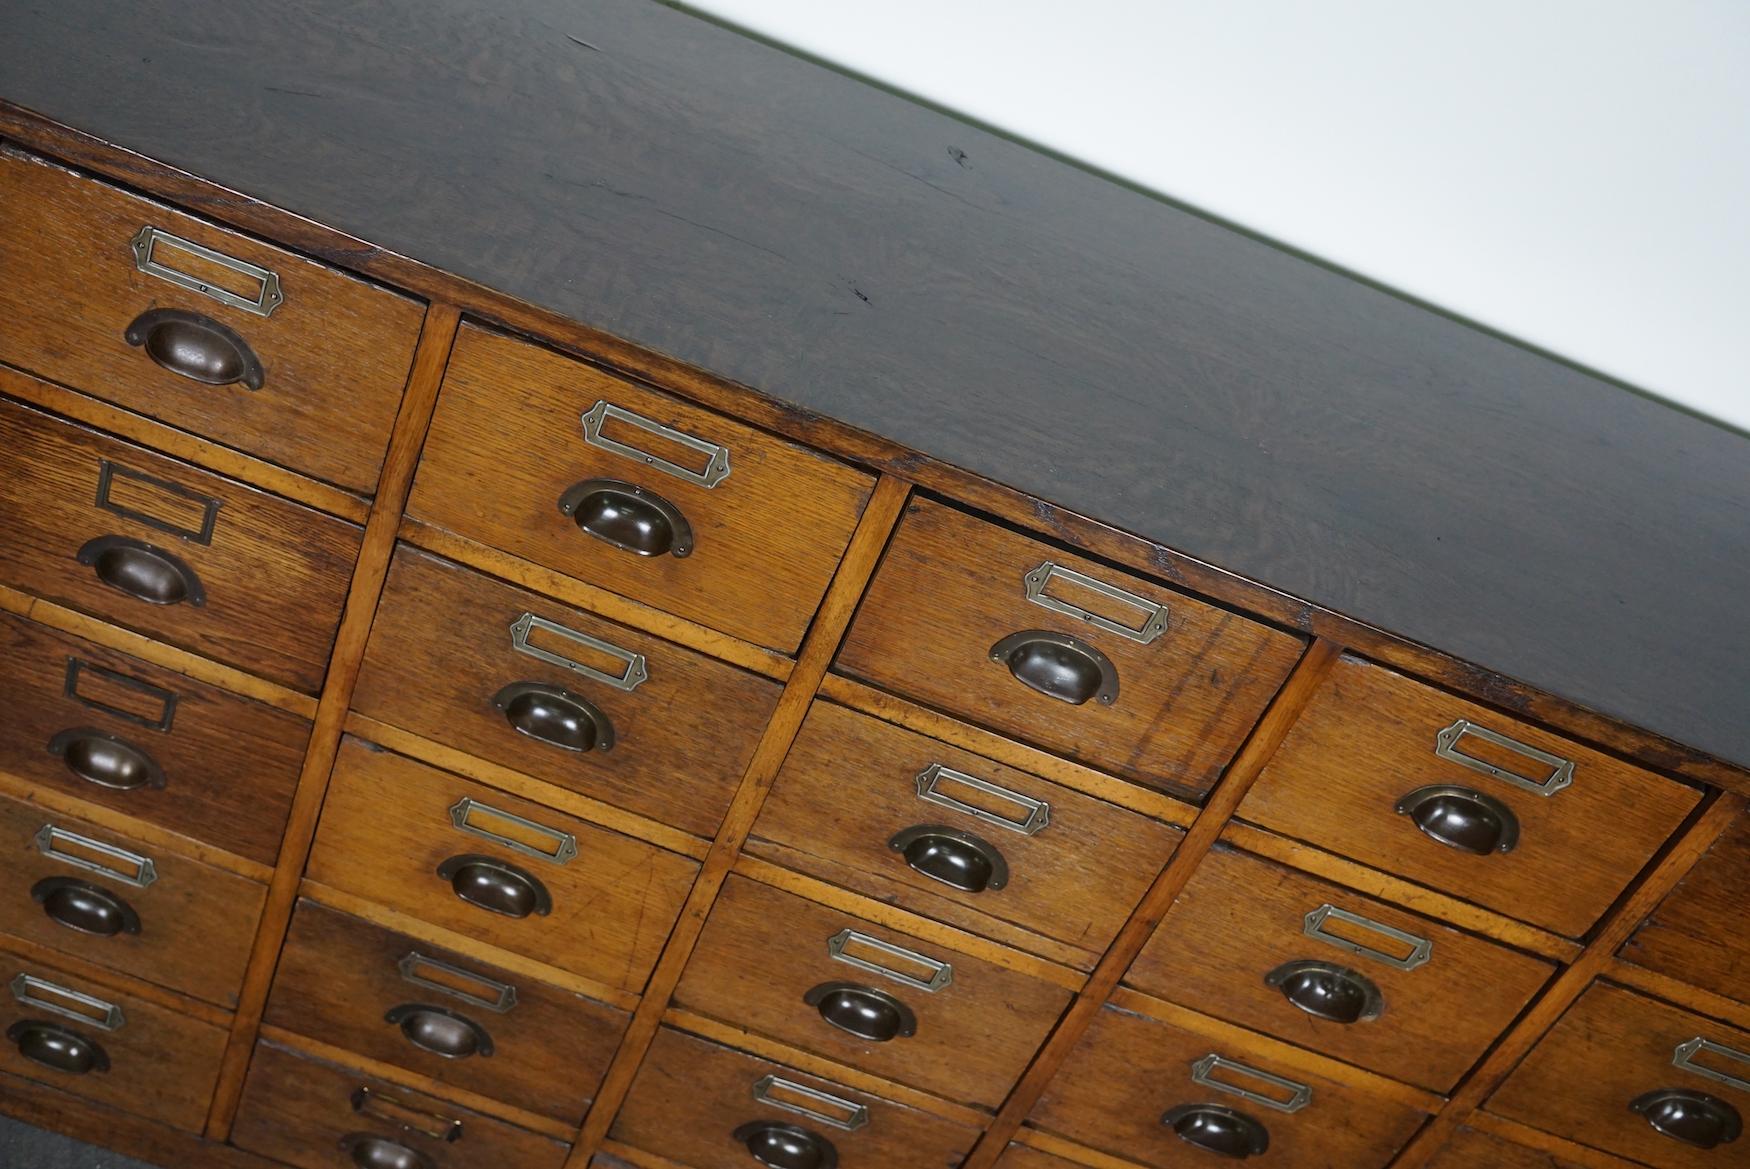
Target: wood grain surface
(1473, 1149)
(1695, 934)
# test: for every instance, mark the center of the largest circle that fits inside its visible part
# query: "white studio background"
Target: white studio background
(1574, 173)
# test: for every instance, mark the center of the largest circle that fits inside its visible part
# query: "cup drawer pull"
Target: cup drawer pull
(513, 832)
(556, 717)
(1448, 742)
(262, 301)
(106, 760)
(828, 1109)
(440, 1031)
(367, 1150)
(1325, 990)
(196, 347)
(936, 783)
(896, 962)
(1152, 614)
(633, 667)
(1462, 818)
(714, 470)
(51, 1045)
(957, 859)
(862, 1011)
(631, 518)
(31, 991)
(80, 905)
(143, 571)
(1692, 1118)
(1407, 952)
(1215, 1129)
(786, 1146)
(496, 886)
(1058, 665)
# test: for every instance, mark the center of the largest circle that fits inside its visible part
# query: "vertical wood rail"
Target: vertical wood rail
(430, 356)
(880, 516)
(1567, 986)
(1224, 801)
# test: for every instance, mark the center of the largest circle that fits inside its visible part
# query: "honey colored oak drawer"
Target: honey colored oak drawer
(708, 1106)
(833, 984)
(1637, 1077)
(635, 491)
(1697, 933)
(1103, 667)
(100, 1040)
(320, 1115)
(1345, 975)
(483, 863)
(1471, 1149)
(560, 693)
(113, 730)
(182, 555)
(1148, 1091)
(1414, 781)
(906, 819)
(1019, 1156)
(461, 1021)
(126, 299)
(112, 899)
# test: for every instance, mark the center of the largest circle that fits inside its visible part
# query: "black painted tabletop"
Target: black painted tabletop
(838, 247)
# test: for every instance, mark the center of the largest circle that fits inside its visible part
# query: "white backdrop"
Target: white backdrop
(1575, 173)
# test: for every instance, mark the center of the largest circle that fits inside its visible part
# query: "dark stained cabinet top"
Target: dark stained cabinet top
(847, 251)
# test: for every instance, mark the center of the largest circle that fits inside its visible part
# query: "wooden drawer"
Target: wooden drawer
(100, 1040)
(1696, 934)
(444, 648)
(1131, 1073)
(317, 1115)
(1041, 859)
(114, 900)
(1019, 1156)
(1370, 741)
(732, 1102)
(1613, 1050)
(347, 983)
(765, 953)
(1471, 1149)
(205, 563)
(410, 836)
(951, 598)
(113, 730)
(1422, 1000)
(764, 539)
(333, 355)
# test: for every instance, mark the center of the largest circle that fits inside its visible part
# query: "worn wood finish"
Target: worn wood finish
(1019, 1156)
(1368, 740)
(162, 1064)
(335, 348)
(1472, 1149)
(1695, 934)
(682, 738)
(850, 783)
(1241, 918)
(196, 921)
(387, 828)
(1694, 998)
(274, 573)
(229, 764)
(1609, 1048)
(762, 950)
(299, 1109)
(950, 587)
(339, 977)
(692, 1095)
(767, 537)
(1129, 1070)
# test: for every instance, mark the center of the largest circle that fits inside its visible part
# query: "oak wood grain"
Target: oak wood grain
(1692, 935)
(1475, 1149)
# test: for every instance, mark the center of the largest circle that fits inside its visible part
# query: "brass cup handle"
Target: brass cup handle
(555, 716)
(787, 1146)
(1058, 665)
(1693, 1118)
(106, 760)
(80, 905)
(1462, 818)
(1218, 1130)
(440, 1031)
(195, 347)
(496, 886)
(54, 1046)
(957, 859)
(367, 1150)
(1326, 990)
(632, 518)
(862, 1011)
(143, 571)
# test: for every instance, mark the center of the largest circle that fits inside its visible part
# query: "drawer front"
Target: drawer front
(765, 961)
(97, 1040)
(332, 357)
(734, 1104)
(111, 729)
(1134, 1085)
(464, 1022)
(1696, 934)
(948, 620)
(1371, 742)
(204, 563)
(758, 545)
(1345, 975)
(1472, 1149)
(904, 818)
(1019, 1156)
(537, 882)
(1618, 1064)
(319, 1115)
(444, 651)
(116, 901)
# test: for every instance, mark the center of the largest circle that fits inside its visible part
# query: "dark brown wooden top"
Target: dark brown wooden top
(850, 252)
